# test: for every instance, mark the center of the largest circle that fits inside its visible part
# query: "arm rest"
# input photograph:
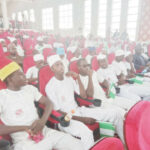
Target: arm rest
(87, 102)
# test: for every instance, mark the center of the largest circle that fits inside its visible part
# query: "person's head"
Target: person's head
(12, 48)
(77, 53)
(11, 74)
(83, 66)
(92, 51)
(138, 49)
(128, 56)
(119, 55)
(14, 41)
(2, 41)
(39, 60)
(103, 62)
(56, 66)
(40, 40)
(61, 52)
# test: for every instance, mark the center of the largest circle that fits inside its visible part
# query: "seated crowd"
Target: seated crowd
(114, 71)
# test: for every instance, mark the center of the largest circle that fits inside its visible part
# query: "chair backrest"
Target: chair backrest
(45, 74)
(136, 127)
(85, 52)
(94, 64)
(110, 143)
(2, 85)
(73, 66)
(27, 63)
(48, 52)
(69, 55)
(111, 58)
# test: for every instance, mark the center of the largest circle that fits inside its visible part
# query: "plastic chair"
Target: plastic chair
(111, 58)
(45, 74)
(73, 67)
(109, 144)
(136, 127)
(27, 63)
(94, 64)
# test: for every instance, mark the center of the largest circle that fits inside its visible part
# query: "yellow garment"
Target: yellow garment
(8, 69)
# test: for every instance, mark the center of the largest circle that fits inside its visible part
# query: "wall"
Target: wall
(144, 21)
(78, 15)
(39, 4)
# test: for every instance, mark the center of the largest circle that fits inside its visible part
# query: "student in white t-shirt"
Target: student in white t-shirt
(92, 53)
(76, 53)
(62, 55)
(60, 89)
(19, 49)
(20, 117)
(93, 89)
(130, 91)
(2, 41)
(40, 45)
(32, 73)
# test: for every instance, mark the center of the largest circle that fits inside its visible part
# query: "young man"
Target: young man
(32, 73)
(20, 117)
(60, 89)
(140, 63)
(19, 49)
(4, 46)
(130, 91)
(93, 89)
(40, 45)
(62, 55)
(14, 54)
(76, 53)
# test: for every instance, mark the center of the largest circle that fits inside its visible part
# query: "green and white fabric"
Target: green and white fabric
(107, 129)
(138, 80)
(112, 91)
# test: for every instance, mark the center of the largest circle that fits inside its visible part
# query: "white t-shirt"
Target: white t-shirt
(119, 67)
(75, 58)
(65, 63)
(89, 59)
(20, 51)
(39, 48)
(107, 74)
(61, 93)
(58, 45)
(32, 72)
(17, 108)
(5, 49)
(98, 91)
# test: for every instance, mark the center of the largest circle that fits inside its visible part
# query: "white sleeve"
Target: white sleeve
(52, 96)
(34, 91)
(29, 73)
(1, 98)
(75, 86)
(100, 77)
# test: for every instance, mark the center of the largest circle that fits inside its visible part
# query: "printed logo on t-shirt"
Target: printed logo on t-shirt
(19, 112)
(63, 98)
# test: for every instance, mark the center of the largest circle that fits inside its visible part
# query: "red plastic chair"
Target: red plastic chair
(136, 127)
(69, 55)
(109, 144)
(94, 64)
(73, 67)
(27, 63)
(111, 58)
(48, 52)
(2, 85)
(85, 52)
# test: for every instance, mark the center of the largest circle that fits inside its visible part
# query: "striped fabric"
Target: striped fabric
(107, 129)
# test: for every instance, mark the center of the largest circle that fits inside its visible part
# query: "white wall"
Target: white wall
(78, 13)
